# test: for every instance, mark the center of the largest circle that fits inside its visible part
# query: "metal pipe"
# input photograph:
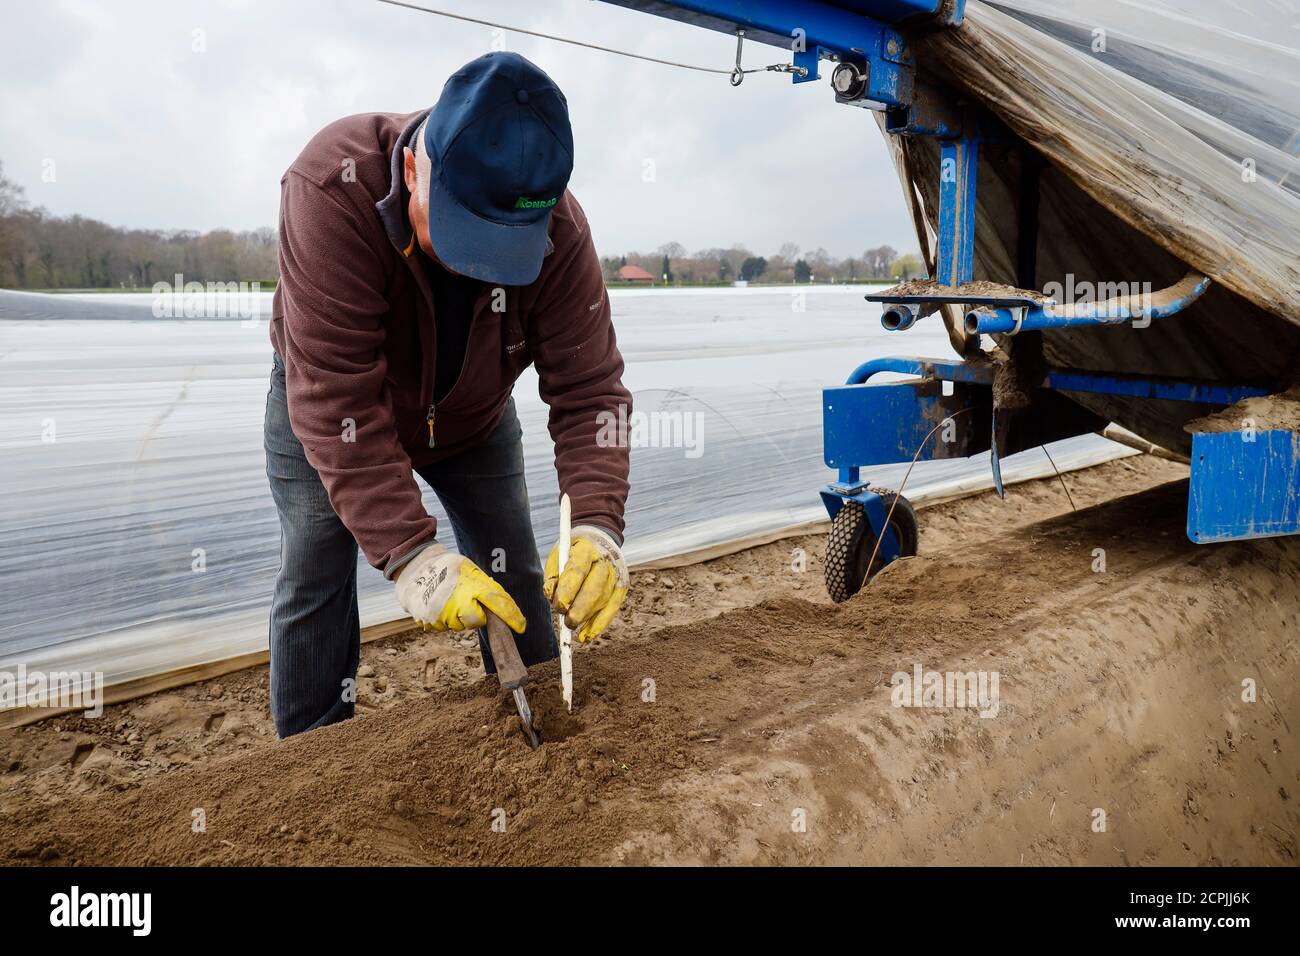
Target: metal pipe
(898, 318)
(904, 366)
(1116, 311)
(975, 373)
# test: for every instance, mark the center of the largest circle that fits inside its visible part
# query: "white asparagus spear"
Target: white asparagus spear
(566, 637)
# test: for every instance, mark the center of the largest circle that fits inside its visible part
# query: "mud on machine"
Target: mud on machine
(1001, 402)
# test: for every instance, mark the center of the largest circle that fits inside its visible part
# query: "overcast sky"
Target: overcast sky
(143, 131)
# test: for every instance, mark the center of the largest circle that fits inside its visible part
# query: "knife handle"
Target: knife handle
(510, 667)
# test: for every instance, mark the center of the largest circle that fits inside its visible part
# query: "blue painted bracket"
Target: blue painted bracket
(1244, 484)
(835, 496)
(810, 60)
(872, 426)
(878, 423)
(932, 112)
(883, 424)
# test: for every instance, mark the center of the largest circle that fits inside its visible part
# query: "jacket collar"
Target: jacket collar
(393, 207)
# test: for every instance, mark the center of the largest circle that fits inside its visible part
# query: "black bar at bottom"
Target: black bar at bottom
(583, 906)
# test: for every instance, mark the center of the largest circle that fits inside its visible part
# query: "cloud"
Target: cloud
(185, 114)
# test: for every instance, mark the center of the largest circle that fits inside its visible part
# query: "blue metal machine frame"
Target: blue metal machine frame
(1240, 487)
(871, 424)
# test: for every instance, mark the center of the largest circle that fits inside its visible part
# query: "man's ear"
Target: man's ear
(408, 170)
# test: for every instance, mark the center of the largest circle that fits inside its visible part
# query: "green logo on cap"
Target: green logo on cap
(523, 202)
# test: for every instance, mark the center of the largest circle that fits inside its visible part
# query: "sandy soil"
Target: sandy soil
(977, 289)
(765, 733)
(1281, 411)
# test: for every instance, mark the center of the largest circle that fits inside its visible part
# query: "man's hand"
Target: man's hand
(447, 592)
(593, 585)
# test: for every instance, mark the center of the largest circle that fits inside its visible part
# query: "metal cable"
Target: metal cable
(1060, 477)
(736, 73)
(903, 485)
(898, 494)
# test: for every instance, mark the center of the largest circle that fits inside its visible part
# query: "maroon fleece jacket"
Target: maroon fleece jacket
(353, 322)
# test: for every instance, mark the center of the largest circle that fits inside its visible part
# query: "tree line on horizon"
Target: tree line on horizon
(672, 264)
(39, 250)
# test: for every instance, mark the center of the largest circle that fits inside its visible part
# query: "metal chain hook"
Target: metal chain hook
(738, 74)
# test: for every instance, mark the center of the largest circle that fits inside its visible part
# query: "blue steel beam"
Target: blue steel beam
(958, 168)
(1132, 386)
(771, 21)
(816, 27)
(830, 20)
(1064, 380)
(891, 11)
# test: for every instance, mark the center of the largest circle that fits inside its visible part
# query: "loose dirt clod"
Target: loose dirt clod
(1262, 413)
(975, 289)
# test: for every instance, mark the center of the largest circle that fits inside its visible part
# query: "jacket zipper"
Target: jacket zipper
(432, 416)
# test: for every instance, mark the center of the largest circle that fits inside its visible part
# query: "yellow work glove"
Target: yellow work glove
(447, 592)
(593, 585)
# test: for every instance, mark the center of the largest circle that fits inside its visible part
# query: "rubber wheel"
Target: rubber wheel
(851, 542)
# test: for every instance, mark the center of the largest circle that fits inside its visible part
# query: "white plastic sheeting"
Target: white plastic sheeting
(1164, 133)
(138, 536)
(1180, 116)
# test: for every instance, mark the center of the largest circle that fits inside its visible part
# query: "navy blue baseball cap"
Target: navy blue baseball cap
(501, 152)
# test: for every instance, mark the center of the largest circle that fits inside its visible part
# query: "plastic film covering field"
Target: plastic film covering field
(1181, 116)
(138, 535)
